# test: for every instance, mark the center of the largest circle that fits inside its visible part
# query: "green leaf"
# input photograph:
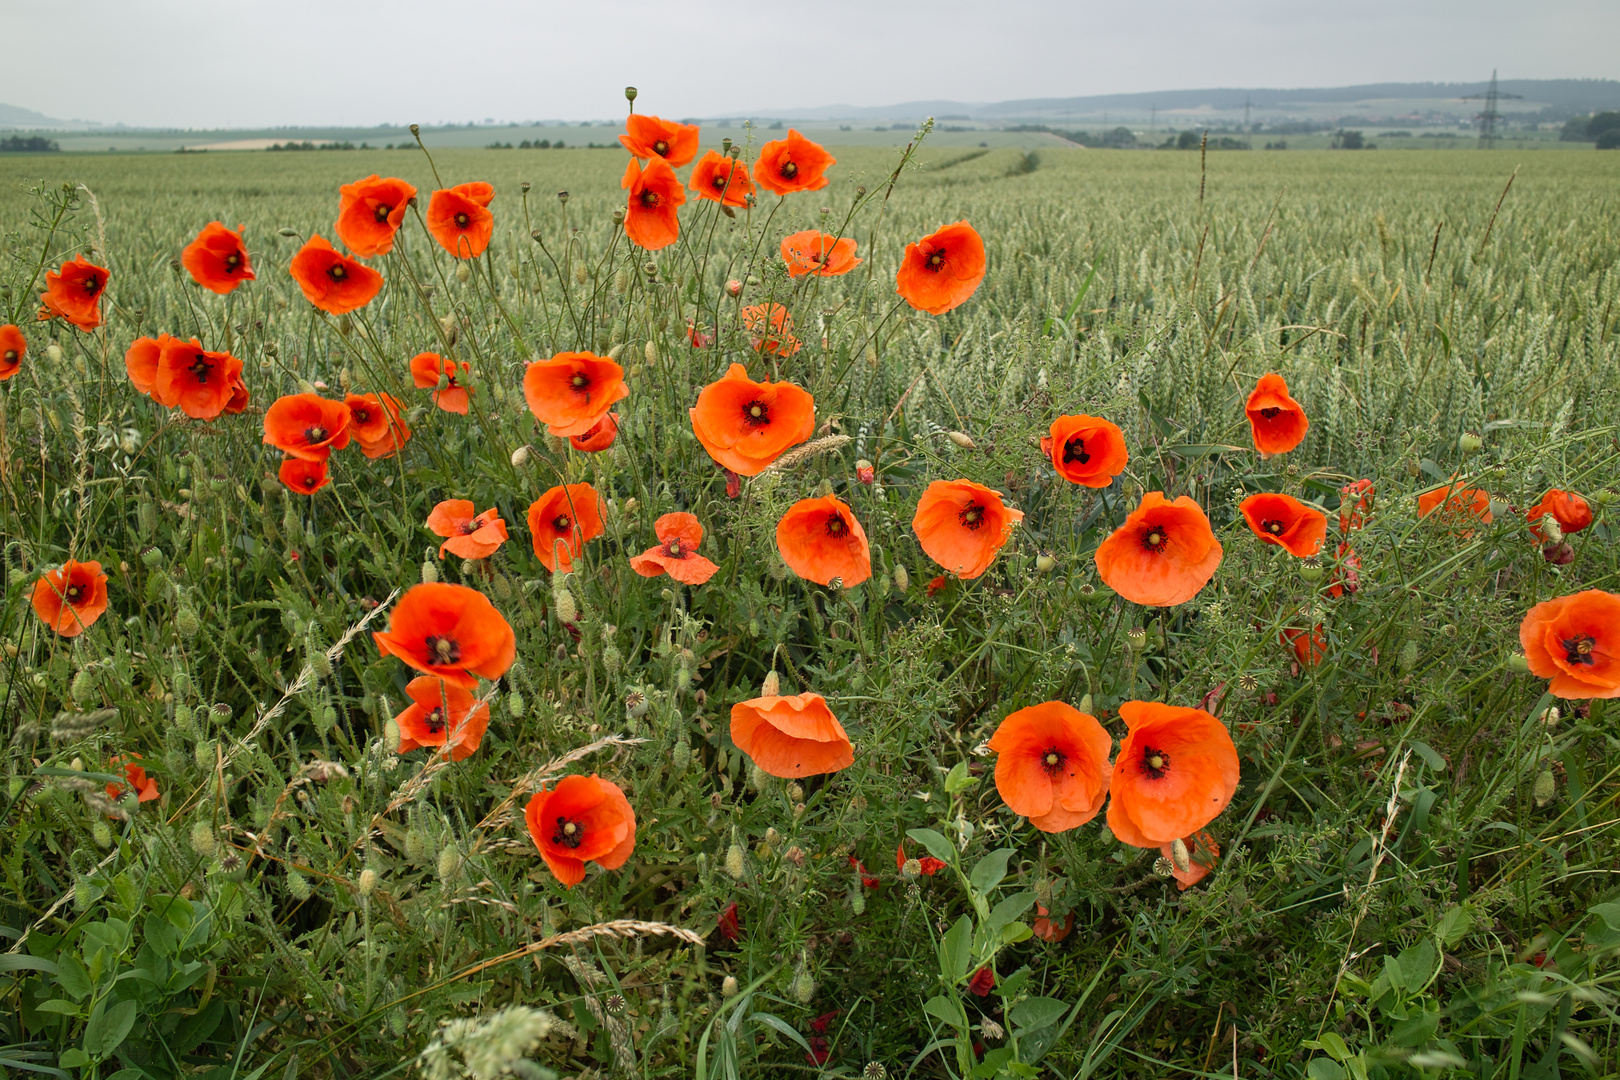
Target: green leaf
(161, 934)
(1037, 1012)
(24, 962)
(988, 871)
(73, 1058)
(939, 847)
(1416, 1030)
(1332, 1044)
(1456, 922)
(1418, 964)
(1430, 757)
(959, 779)
(1014, 932)
(60, 1006)
(956, 951)
(772, 1020)
(948, 1010)
(108, 1027)
(1609, 913)
(1012, 985)
(1323, 1069)
(1010, 909)
(72, 977)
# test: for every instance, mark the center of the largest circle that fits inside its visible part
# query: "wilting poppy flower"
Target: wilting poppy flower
(13, 348)
(746, 425)
(942, 270)
(819, 253)
(927, 865)
(1573, 640)
(1457, 506)
(1202, 854)
(70, 599)
(449, 631)
(1285, 521)
(791, 737)
(197, 382)
(983, 981)
(1086, 450)
(145, 787)
(695, 336)
(440, 713)
(650, 219)
(1277, 421)
(1347, 574)
(867, 880)
(1567, 508)
(425, 371)
(770, 329)
(561, 522)
(679, 535)
(217, 260)
(1044, 928)
(649, 137)
(304, 477)
(792, 164)
(1309, 646)
(819, 1051)
(74, 293)
(376, 423)
(238, 401)
(306, 426)
(962, 525)
(722, 179)
(935, 584)
(472, 536)
(331, 280)
(370, 212)
(571, 392)
(583, 819)
(1053, 765)
(820, 540)
(141, 362)
(729, 923)
(459, 219)
(1163, 554)
(1355, 502)
(1176, 770)
(598, 438)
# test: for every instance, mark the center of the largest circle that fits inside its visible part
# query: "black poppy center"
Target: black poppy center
(1579, 649)
(462, 220)
(1155, 539)
(935, 261)
(673, 549)
(651, 199)
(200, 367)
(92, 284)
(469, 526)
(580, 382)
(789, 169)
(660, 147)
(11, 356)
(836, 526)
(1275, 528)
(361, 415)
(336, 272)
(232, 261)
(75, 593)
(1052, 760)
(1155, 763)
(972, 516)
(434, 722)
(562, 523)
(756, 414)
(569, 834)
(1075, 450)
(720, 181)
(442, 650)
(1270, 413)
(382, 212)
(315, 434)
(310, 481)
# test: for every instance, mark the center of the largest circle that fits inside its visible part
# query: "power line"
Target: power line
(1488, 118)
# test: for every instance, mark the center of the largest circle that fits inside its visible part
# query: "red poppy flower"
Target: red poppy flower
(197, 382)
(1573, 640)
(141, 362)
(449, 631)
(1053, 765)
(562, 521)
(13, 347)
(943, 269)
(370, 212)
(1457, 506)
(376, 422)
(1309, 647)
(598, 438)
(867, 880)
(1276, 420)
(1163, 554)
(792, 164)
(770, 329)
(69, 600)
(649, 137)
(819, 253)
(820, 540)
(426, 368)
(1202, 854)
(306, 426)
(935, 584)
(729, 923)
(927, 865)
(1176, 770)
(746, 425)
(583, 819)
(819, 1051)
(304, 477)
(963, 526)
(1567, 508)
(572, 392)
(983, 981)
(722, 179)
(821, 1023)
(472, 536)
(791, 737)
(238, 400)
(1285, 521)
(651, 220)
(695, 336)
(1086, 450)
(676, 554)
(441, 714)
(1044, 928)
(1347, 574)
(74, 293)
(217, 260)
(1355, 503)
(459, 219)
(331, 280)
(144, 786)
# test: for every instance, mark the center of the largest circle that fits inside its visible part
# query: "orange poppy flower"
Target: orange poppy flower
(1176, 771)
(791, 737)
(70, 599)
(481, 192)
(238, 400)
(722, 179)
(145, 787)
(927, 865)
(1053, 765)
(439, 713)
(141, 362)
(1044, 928)
(13, 347)
(1277, 421)
(679, 535)
(370, 212)
(650, 137)
(197, 382)
(583, 819)
(562, 521)
(651, 220)
(331, 280)
(217, 260)
(962, 525)
(472, 536)
(571, 392)
(820, 540)
(598, 438)
(377, 425)
(1285, 521)
(746, 425)
(304, 477)
(1573, 640)
(1202, 854)
(449, 631)
(1457, 506)
(1086, 450)
(792, 164)
(1347, 574)
(770, 329)
(1355, 503)
(74, 293)
(459, 222)
(943, 269)
(1567, 508)
(306, 426)
(819, 253)
(1309, 646)
(426, 368)
(1163, 554)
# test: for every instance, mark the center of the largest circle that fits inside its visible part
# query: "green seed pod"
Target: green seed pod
(1546, 787)
(186, 623)
(1310, 570)
(101, 834)
(1409, 655)
(1469, 443)
(151, 557)
(202, 839)
(297, 885)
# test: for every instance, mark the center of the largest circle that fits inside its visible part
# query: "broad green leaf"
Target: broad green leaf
(1609, 913)
(72, 977)
(948, 1010)
(1014, 932)
(772, 1020)
(939, 847)
(988, 871)
(1418, 964)
(24, 962)
(73, 1058)
(1416, 1030)
(1456, 922)
(60, 1006)
(956, 951)
(1430, 757)
(1037, 1012)
(1323, 1069)
(1010, 909)
(108, 1028)
(959, 779)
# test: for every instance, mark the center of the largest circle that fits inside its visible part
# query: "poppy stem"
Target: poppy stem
(416, 133)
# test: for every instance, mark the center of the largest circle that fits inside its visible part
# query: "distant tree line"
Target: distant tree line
(307, 145)
(29, 144)
(1603, 129)
(537, 144)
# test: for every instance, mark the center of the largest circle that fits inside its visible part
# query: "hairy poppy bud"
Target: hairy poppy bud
(621, 279)
(902, 580)
(1180, 856)
(202, 839)
(1468, 442)
(430, 573)
(297, 885)
(735, 864)
(520, 456)
(649, 353)
(515, 706)
(680, 757)
(418, 845)
(449, 868)
(796, 792)
(84, 894)
(186, 622)
(961, 439)
(391, 737)
(1552, 534)
(83, 688)
(1085, 704)
(1546, 787)
(203, 754)
(728, 987)
(101, 834)
(367, 882)
(804, 987)
(734, 287)
(857, 899)
(1550, 716)
(581, 275)
(772, 685)
(1408, 657)
(146, 516)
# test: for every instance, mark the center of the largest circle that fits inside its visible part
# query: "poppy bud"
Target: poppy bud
(515, 707)
(728, 987)
(101, 834)
(772, 686)
(1408, 657)
(734, 287)
(1310, 569)
(183, 718)
(1518, 663)
(649, 352)
(202, 839)
(430, 573)
(961, 439)
(203, 755)
(796, 792)
(1468, 442)
(1085, 704)
(680, 757)
(520, 456)
(1549, 716)
(757, 779)
(1045, 564)
(857, 899)
(368, 881)
(804, 987)
(297, 885)
(391, 737)
(735, 865)
(902, 580)
(449, 867)
(581, 275)
(83, 688)
(84, 894)
(186, 621)
(418, 845)
(1551, 532)
(1546, 787)
(621, 279)
(146, 516)
(1180, 856)
(289, 233)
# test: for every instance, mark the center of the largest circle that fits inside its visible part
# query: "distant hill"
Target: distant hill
(16, 118)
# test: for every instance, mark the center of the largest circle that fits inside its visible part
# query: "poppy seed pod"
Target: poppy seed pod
(1469, 443)
(1518, 663)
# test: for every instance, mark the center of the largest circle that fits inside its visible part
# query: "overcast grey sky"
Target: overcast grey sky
(238, 63)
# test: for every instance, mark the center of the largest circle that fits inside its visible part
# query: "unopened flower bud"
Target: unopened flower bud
(961, 439)
(1180, 856)
(804, 987)
(203, 841)
(1408, 657)
(1550, 716)
(1518, 663)
(101, 834)
(735, 864)
(430, 573)
(902, 580)
(368, 881)
(728, 987)
(772, 686)
(734, 287)
(796, 791)
(1551, 532)
(520, 456)
(581, 275)
(449, 867)
(1546, 787)
(297, 885)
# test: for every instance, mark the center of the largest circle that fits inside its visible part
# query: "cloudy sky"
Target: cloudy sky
(242, 63)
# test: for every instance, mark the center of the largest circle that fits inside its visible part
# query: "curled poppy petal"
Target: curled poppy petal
(791, 737)
(792, 164)
(70, 599)
(963, 526)
(1086, 450)
(378, 424)
(943, 269)
(459, 219)
(746, 425)
(426, 370)
(679, 535)
(1309, 646)
(449, 631)
(598, 438)
(144, 786)
(306, 426)
(571, 392)
(370, 212)
(1163, 554)
(441, 714)
(331, 280)
(583, 819)
(1177, 769)
(1044, 928)
(73, 292)
(13, 347)
(820, 540)
(1276, 420)
(217, 260)
(1285, 521)
(1052, 765)
(562, 521)
(1575, 641)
